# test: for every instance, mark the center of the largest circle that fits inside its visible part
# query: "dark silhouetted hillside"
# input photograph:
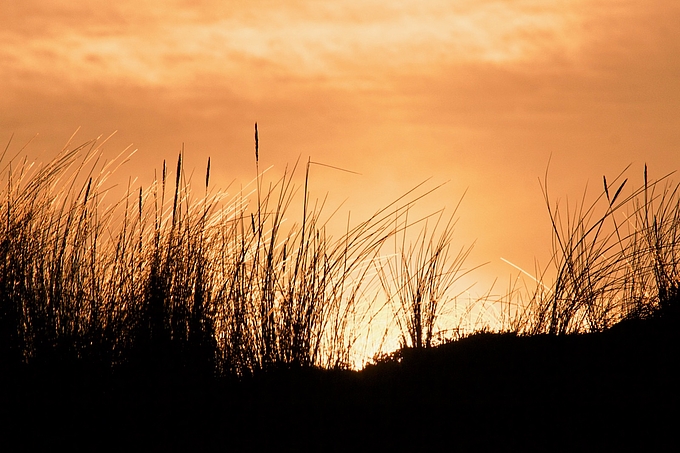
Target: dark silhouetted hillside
(600, 391)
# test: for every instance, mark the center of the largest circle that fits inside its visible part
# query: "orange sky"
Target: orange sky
(480, 93)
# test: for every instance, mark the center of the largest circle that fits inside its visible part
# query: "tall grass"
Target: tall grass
(613, 259)
(54, 261)
(418, 278)
(164, 279)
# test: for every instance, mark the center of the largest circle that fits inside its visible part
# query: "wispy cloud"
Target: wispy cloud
(150, 44)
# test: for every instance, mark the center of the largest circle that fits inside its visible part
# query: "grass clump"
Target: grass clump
(613, 259)
(417, 280)
(163, 280)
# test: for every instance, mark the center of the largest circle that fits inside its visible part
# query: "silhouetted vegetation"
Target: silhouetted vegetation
(616, 264)
(191, 321)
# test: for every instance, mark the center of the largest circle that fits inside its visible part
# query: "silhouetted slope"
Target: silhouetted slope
(617, 389)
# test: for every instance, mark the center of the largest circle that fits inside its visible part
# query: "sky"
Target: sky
(479, 95)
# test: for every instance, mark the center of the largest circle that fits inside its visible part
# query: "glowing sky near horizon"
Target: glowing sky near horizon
(480, 93)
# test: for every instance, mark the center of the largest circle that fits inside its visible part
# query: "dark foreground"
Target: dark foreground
(606, 391)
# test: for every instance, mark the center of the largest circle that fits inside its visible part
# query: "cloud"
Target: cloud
(156, 44)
